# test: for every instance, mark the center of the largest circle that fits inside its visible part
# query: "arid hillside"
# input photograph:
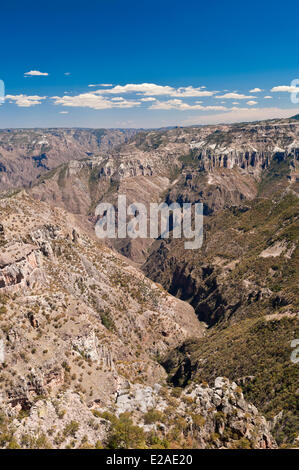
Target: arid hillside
(83, 333)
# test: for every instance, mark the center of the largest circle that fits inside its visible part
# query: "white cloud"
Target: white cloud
(36, 73)
(268, 97)
(25, 101)
(93, 101)
(63, 112)
(67, 73)
(255, 90)
(251, 102)
(234, 96)
(285, 88)
(181, 106)
(242, 115)
(234, 102)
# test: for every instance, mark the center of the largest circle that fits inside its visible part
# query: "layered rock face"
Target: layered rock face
(27, 154)
(250, 147)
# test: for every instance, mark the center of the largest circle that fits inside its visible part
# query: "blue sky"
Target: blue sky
(166, 62)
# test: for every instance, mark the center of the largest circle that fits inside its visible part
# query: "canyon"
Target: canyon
(186, 347)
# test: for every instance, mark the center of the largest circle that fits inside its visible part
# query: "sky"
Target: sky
(147, 63)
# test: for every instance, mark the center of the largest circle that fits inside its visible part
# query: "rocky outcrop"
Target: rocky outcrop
(19, 264)
(63, 422)
(215, 416)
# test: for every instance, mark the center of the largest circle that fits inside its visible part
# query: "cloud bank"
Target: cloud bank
(94, 101)
(25, 101)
